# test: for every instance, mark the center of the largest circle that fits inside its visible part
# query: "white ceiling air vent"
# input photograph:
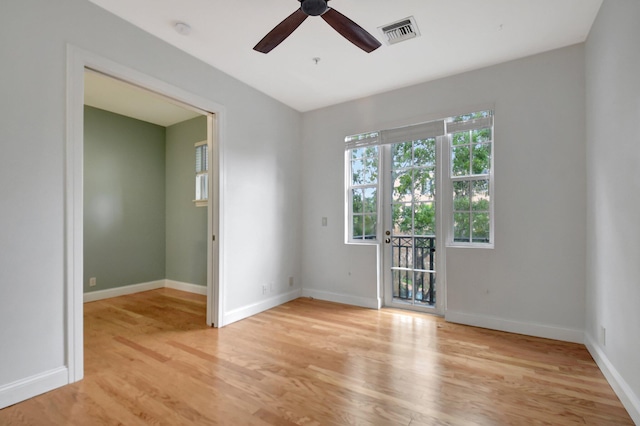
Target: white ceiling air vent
(401, 30)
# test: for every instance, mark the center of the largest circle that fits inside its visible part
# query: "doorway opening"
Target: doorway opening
(112, 204)
(145, 222)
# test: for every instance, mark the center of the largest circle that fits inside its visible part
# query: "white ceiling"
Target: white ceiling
(122, 98)
(457, 36)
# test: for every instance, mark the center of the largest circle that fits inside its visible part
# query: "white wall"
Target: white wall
(613, 201)
(261, 188)
(533, 281)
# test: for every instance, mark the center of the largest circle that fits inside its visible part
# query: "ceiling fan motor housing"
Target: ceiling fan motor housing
(314, 7)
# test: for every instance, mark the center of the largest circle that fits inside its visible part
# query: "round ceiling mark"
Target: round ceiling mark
(183, 28)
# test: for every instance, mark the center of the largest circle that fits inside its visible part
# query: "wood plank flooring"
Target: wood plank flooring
(149, 359)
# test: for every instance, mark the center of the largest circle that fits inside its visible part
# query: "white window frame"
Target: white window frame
(362, 141)
(202, 201)
(455, 128)
(384, 137)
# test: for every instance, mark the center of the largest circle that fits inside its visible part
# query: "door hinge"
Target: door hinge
(213, 238)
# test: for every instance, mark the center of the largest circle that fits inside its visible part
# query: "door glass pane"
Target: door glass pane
(402, 252)
(424, 181)
(402, 185)
(425, 288)
(424, 222)
(424, 253)
(424, 152)
(402, 219)
(402, 284)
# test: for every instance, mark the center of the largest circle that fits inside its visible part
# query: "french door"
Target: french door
(412, 232)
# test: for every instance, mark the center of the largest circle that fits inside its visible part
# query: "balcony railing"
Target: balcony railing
(413, 269)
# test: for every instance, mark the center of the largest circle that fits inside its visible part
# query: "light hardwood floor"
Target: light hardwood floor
(149, 359)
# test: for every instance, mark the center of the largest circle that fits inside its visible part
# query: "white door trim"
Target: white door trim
(77, 61)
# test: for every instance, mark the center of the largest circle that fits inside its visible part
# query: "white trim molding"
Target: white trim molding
(629, 399)
(20, 390)
(528, 329)
(92, 296)
(190, 288)
(363, 302)
(78, 60)
(256, 308)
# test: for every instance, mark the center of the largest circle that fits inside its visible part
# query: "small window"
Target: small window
(202, 174)
(362, 193)
(471, 155)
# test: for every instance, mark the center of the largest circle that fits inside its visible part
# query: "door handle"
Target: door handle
(387, 240)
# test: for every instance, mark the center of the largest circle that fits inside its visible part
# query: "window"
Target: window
(202, 174)
(471, 164)
(363, 193)
(467, 142)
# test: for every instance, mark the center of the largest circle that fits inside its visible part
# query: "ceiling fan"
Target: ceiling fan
(345, 26)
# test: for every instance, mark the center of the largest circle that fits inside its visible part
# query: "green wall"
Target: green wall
(186, 244)
(140, 221)
(124, 200)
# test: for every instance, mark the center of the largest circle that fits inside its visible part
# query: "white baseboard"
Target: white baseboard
(138, 288)
(628, 398)
(20, 390)
(529, 329)
(256, 308)
(191, 288)
(124, 290)
(342, 298)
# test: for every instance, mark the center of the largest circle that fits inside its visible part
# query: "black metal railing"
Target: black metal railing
(412, 256)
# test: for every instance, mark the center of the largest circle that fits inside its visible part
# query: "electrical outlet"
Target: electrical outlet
(290, 281)
(324, 221)
(264, 289)
(92, 282)
(270, 287)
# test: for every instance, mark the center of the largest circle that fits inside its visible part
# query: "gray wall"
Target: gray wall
(260, 150)
(124, 200)
(186, 245)
(613, 201)
(533, 280)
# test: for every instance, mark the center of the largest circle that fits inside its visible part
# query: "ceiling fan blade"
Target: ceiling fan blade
(281, 31)
(350, 30)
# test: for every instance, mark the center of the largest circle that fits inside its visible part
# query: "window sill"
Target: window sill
(471, 245)
(201, 203)
(362, 242)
